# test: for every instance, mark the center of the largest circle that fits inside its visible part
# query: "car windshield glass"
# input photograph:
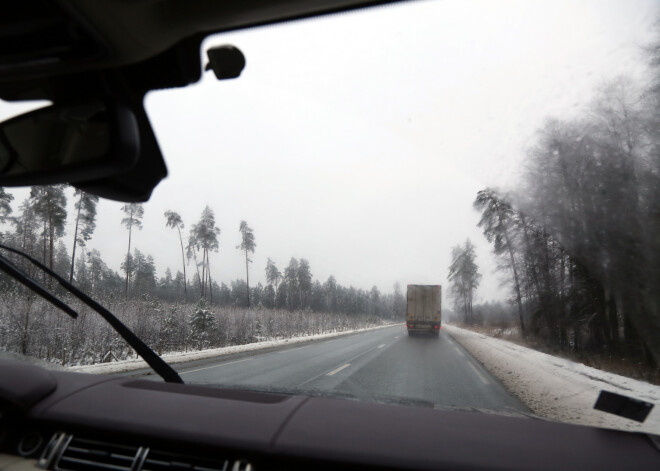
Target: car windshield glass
(445, 204)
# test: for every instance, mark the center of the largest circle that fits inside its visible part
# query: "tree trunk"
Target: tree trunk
(208, 265)
(26, 324)
(128, 253)
(247, 277)
(203, 273)
(515, 275)
(75, 238)
(183, 259)
(45, 244)
(199, 278)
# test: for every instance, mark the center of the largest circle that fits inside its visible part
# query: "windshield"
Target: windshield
(437, 204)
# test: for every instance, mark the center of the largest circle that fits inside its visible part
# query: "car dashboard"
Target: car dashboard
(66, 421)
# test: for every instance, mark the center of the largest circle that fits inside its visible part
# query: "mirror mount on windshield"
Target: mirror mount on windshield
(227, 61)
(68, 143)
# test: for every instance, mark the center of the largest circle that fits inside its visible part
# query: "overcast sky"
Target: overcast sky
(359, 141)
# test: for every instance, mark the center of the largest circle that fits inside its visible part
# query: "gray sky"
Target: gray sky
(359, 141)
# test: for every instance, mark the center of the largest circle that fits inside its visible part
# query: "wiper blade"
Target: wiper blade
(16, 273)
(159, 365)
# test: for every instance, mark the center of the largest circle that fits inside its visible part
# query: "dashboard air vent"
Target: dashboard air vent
(160, 461)
(90, 455)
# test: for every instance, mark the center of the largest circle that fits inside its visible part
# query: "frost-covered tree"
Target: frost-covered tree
(291, 282)
(497, 220)
(304, 277)
(464, 276)
(202, 323)
(5, 204)
(49, 205)
(204, 239)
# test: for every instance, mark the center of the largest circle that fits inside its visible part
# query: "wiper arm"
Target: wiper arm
(159, 365)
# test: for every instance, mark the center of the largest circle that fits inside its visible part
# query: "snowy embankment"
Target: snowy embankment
(556, 388)
(182, 357)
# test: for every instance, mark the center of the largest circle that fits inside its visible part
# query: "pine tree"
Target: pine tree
(49, 205)
(85, 222)
(202, 323)
(134, 213)
(247, 245)
(174, 221)
(204, 238)
(5, 204)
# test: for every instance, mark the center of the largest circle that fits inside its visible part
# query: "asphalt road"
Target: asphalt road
(384, 365)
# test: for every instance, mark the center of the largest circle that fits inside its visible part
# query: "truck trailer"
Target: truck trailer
(423, 309)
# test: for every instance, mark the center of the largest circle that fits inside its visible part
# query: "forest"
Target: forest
(579, 238)
(171, 313)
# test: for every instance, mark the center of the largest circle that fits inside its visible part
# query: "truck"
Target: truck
(423, 309)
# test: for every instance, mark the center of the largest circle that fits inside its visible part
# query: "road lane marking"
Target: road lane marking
(396, 336)
(313, 378)
(381, 345)
(481, 377)
(337, 370)
(459, 351)
(215, 366)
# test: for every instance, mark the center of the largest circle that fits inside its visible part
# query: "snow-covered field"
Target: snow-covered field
(556, 388)
(182, 357)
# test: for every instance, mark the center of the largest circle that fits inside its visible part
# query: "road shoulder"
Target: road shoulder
(556, 388)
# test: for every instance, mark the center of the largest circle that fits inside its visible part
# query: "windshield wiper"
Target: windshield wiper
(159, 365)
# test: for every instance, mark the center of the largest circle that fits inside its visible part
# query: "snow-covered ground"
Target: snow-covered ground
(556, 388)
(182, 357)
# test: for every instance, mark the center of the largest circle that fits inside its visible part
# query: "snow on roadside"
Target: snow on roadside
(556, 388)
(182, 357)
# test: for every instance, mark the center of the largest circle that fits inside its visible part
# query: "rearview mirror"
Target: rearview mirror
(68, 143)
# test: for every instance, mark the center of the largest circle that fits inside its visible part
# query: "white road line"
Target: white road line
(313, 378)
(337, 370)
(214, 366)
(396, 336)
(458, 351)
(381, 345)
(481, 377)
